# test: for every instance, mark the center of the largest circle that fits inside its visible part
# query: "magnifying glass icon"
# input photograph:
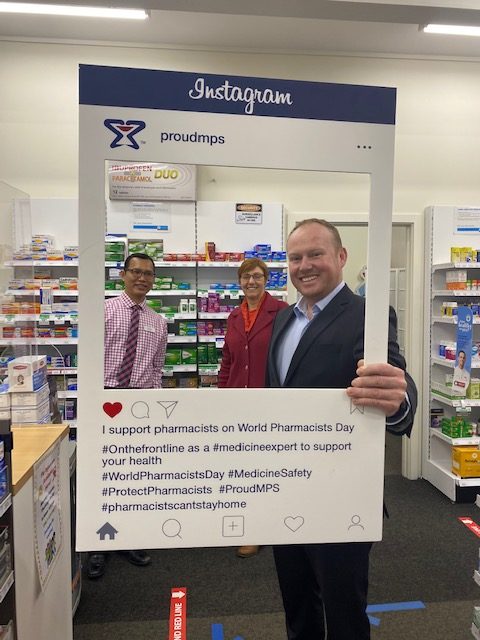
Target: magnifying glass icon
(171, 528)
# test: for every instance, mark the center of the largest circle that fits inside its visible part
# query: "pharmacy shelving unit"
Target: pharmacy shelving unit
(26, 324)
(440, 235)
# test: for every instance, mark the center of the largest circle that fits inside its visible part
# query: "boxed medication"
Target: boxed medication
(27, 415)
(210, 251)
(28, 373)
(466, 461)
(189, 355)
(4, 396)
(173, 356)
(30, 399)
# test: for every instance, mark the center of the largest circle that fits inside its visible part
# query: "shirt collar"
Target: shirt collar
(128, 302)
(300, 310)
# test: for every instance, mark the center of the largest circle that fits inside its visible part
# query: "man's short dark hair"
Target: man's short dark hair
(337, 240)
(140, 256)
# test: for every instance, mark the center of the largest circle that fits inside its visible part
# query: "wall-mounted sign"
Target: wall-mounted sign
(151, 181)
(248, 213)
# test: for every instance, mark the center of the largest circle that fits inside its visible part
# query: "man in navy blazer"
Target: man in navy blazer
(318, 343)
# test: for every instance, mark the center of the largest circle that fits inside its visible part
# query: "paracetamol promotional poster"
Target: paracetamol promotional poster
(184, 467)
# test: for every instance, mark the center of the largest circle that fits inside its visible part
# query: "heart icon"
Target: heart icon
(112, 408)
(294, 524)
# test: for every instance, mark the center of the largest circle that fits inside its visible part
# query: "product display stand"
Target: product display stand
(440, 329)
(44, 613)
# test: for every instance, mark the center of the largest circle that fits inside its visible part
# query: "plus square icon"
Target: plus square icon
(233, 526)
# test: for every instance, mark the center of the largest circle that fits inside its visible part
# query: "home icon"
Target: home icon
(107, 530)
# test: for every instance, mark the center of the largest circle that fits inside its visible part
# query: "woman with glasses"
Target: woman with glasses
(249, 328)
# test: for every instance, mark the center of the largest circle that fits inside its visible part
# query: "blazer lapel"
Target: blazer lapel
(238, 323)
(264, 317)
(324, 319)
(281, 322)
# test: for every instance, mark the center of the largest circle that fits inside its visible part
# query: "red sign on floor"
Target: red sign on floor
(178, 614)
(473, 526)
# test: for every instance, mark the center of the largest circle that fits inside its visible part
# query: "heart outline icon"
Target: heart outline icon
(294, 523)
(112, 409)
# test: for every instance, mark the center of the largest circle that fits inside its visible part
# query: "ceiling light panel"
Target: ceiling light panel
(72, 11)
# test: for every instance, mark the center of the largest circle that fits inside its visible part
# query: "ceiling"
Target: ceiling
(314, 26)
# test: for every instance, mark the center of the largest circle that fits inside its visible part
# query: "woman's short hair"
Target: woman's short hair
(252, 263)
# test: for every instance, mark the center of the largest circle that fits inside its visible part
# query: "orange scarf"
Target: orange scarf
(249, 316)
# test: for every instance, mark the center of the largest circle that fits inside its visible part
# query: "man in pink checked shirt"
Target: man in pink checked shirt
(138, 276)
(133, 358)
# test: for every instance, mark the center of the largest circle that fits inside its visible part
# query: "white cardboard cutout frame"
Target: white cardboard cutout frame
(133, 491)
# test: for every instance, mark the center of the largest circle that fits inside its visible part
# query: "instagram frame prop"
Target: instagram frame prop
(201, 467)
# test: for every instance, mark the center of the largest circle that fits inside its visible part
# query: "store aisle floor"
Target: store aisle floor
(426, 555)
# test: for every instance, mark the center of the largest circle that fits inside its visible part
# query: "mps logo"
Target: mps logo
(124, 131)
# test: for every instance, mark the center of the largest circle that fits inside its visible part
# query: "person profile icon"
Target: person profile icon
(356, 522)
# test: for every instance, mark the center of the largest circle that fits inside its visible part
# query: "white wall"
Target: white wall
(438, 127)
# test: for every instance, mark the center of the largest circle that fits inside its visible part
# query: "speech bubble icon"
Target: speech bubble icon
(140, 409)
(171, 528)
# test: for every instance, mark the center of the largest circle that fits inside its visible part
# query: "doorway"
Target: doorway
(403, 455)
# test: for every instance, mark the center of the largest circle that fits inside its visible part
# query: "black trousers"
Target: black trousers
(324, 589)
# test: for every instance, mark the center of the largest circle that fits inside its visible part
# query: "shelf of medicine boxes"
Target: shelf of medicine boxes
(441, 445)
(204, 264)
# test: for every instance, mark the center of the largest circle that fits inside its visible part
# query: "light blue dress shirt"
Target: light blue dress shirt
(288, 343)
(293, 334)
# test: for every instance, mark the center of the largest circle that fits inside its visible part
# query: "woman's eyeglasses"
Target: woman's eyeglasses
(245, 277)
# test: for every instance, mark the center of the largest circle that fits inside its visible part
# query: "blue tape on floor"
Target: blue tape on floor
(395, 606)
(217, 633)
(217, 629)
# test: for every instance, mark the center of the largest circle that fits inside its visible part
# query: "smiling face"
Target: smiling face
(315, 262)
(253, 283)
(461, 359)
(137, 283)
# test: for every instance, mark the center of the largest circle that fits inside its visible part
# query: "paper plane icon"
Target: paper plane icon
(168, 406)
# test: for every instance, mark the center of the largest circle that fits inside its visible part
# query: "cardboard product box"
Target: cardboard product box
(212, 353)
(436, 416)
(33, 415)
(466, 462)
(210, 251)
(169, 382)
(30, 399)
(202, 352)
(173, 356)
(473, 390)
(28, 373)
(4, 397)
(188, 383)
(189, 355)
